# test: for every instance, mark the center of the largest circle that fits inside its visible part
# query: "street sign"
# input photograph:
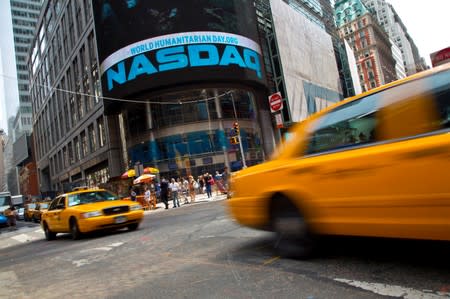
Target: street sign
(275, 102)
(279, 120)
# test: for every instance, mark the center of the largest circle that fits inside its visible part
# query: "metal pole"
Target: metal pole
(221, 126)
(244, 165)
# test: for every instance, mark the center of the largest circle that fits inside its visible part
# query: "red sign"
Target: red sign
(275, 102)
(440, 57)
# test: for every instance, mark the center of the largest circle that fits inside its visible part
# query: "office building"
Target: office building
(167, 95)
(392, 23)
(369, 41)
(24, 14)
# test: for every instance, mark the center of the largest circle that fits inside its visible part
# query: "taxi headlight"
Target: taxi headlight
(92, 214)
(135, 207)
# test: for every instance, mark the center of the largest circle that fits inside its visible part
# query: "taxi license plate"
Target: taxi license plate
(120, 219)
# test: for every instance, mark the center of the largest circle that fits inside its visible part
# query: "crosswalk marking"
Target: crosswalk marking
(392, 290)
(22, 238)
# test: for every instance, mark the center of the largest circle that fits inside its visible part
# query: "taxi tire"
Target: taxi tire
(132, 227)
(49, 235)
(74, 230)
(292, 237)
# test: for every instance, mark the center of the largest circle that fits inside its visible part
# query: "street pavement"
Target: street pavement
(29, 231)
(197, 251)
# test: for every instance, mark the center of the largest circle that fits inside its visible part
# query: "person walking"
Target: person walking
(209, 181)
(11, 213)
(147, 198)
(174, 189)
(153, 195)
(191, 187)
(165, 192)
(132, 194)
(201, 184)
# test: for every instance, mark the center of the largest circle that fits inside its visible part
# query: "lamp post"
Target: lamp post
(244, 165)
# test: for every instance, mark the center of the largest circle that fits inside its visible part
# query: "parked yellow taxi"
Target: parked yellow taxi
(86, 210)
(377, 165)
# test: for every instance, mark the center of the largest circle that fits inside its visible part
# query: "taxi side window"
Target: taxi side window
(418, 107)
(347, 126)
(61, 203)
(53, 204)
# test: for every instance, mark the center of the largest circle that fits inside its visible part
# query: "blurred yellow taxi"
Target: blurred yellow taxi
(377, 164)
(40, 208)
(29, 211)
(86, 210)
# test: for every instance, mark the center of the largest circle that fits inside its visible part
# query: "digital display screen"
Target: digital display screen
(145, 46)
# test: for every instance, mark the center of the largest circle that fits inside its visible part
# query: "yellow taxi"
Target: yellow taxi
(86, 210)
(39, 209)
(377, 164)
(29, 211)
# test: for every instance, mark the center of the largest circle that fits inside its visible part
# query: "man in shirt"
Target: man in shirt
(174, 188)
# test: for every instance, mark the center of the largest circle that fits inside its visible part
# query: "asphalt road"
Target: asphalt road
(197, 252)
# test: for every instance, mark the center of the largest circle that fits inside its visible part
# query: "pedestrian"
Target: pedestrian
(165, 192)
(133, 194)
(153, 196)
(174, 189)
(11, 213)
(185, 188)
(201, 183)
(218, 182)
(147, 198)
(209, 182)
(192, 188)
(225, 176)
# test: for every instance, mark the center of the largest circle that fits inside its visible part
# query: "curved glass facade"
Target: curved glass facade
(190, 132)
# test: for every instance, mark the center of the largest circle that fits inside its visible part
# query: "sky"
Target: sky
(426, 21)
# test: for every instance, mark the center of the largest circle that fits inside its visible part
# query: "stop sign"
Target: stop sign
(275, 102)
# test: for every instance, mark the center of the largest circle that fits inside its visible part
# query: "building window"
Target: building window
(77, 149)
(92, 138)
(101, 132)
(84, 146)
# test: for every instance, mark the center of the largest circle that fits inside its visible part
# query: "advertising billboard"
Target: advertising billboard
(151, 45)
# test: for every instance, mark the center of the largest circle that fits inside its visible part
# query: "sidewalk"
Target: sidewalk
(199, 198)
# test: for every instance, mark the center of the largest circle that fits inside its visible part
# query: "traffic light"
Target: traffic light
(234, 140)
(236, 128)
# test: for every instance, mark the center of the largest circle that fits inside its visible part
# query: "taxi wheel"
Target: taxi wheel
(49, 235)
(292, 239)
(133, 226)
(74, 230)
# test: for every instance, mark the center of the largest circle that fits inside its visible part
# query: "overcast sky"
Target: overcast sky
(427, 22)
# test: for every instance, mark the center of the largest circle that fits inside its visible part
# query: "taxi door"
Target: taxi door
(55, 222)
(415, 125)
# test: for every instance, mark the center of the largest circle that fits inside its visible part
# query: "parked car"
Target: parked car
(20, 214)
(375, 165)
(87, 210)
(3, 220)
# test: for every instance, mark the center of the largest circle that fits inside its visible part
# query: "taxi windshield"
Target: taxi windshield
(90, 197)
(44, 205)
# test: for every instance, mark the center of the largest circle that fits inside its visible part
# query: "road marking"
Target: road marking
(39, 231)
(391, 290)
(270, 261)
(22, 238)
(81, 262)
(97, 249)
(116, 244)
